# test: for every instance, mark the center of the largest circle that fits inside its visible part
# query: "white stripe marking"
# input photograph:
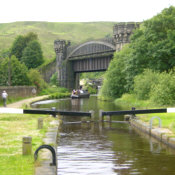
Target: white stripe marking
(169, 110)
(11, 111)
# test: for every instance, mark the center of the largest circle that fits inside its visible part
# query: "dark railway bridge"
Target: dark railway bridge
(90, 56)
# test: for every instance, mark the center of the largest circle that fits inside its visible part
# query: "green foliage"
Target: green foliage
(53, 89)
(54, 79)
(20, 43)
(163, 93)
(152, 47)
(143, 83)
(91, 75)
(115, 77)
(130, 100)
(91, 89)
(32, 55)
(159, 88)
(36, 79)
(55, 92)
(17, 69)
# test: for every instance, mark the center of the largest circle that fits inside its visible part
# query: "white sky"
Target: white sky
(81, 10)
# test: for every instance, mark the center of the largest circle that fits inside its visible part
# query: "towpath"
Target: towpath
(21, 103)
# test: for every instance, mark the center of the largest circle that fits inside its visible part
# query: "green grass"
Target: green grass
(12, 129)
(168, 120)
(76, 32)
(129, 100)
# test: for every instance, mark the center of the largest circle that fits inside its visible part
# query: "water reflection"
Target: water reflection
(107, 148)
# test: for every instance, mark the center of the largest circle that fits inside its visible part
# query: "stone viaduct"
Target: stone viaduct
(90, 56)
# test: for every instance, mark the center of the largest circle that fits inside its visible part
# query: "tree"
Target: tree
(152, 47)
(18, 46)
(18, 72)
(21, 43)
(32, 55)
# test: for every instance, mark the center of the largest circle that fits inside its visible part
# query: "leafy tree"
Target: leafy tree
(21, 43)
(115, 81)
(18, 46)
(32, 55)
(152, 46)
(17, 69)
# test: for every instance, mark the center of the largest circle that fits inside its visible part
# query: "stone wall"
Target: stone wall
(48, 70)
(18, 91)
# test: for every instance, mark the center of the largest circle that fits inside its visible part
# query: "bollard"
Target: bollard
(92, 116)
(133, 109)
(40, 123)
(27, 146)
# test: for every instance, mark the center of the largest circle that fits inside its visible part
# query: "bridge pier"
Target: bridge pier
(77, 80)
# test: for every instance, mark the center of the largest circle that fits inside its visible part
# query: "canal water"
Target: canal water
(106, 149)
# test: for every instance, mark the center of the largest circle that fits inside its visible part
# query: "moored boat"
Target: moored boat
(81, 95)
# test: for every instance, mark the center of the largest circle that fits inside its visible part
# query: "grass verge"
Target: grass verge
(129, 100)
(12, 129)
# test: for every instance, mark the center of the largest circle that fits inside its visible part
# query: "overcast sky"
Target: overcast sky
(81, 10)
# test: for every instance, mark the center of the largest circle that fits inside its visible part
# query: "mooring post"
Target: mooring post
(101, 118)
(133, 109)
(54, 109)
(92, 115)
(40, 123)
(27, 146)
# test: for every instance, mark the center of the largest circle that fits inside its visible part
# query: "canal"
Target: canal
(106, 149)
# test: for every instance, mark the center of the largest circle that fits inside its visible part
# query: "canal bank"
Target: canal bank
(111, 147)
(42, 167)
(161, 134)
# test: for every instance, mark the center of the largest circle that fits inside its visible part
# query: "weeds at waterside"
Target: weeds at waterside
(13, 128)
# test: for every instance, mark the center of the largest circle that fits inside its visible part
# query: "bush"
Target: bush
(163, 93)
(54, 79)
(36, 79)
(143, 83)
(53, 90)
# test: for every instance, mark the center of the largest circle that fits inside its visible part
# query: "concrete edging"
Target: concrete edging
(46, 156)
(162, 134)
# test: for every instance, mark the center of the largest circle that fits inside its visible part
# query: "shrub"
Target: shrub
(54, 79)
(143, 83)
(163, 93)
(36, 79)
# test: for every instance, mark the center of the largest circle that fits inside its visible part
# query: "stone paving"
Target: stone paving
(50, 139)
